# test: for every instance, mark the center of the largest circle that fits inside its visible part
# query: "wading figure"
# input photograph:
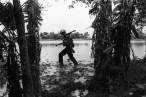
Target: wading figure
(69, 45)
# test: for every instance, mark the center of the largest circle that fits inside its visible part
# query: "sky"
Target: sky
(57, 15)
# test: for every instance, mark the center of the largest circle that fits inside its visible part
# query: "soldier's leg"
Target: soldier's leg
(70, 55)
(61, 54)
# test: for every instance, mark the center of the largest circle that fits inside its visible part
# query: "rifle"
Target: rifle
(70, 32)
(59, 44)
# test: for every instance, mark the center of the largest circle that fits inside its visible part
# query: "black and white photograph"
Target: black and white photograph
(72, 48)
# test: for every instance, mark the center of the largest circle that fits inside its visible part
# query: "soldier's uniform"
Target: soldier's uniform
(68, 43)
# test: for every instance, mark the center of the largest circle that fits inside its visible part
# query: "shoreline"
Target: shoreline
(60, 39)
(85, 39)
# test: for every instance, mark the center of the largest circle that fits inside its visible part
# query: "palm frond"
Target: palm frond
(7, 17)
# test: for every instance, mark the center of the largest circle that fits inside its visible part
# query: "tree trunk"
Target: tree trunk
(101, 42)
(26, 71)
(34, 55)
(13, 73)
(34, 47)
(122, 40)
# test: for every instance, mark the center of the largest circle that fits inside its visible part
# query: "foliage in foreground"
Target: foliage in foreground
(65, 82)
(13, 35)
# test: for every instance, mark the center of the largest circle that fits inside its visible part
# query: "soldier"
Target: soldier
(69, 45)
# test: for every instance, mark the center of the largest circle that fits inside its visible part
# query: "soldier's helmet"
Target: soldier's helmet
(62, 32)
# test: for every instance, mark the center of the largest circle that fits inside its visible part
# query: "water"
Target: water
(82, 50)
(139, 48)
(50, 51)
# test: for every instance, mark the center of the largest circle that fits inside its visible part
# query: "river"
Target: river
(82, 49)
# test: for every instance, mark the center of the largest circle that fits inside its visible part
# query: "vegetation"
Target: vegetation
(75, 35)
(112, 74)
(33, 17)
(111, 49)
(101, 42)
(22, 73)
(9, 54)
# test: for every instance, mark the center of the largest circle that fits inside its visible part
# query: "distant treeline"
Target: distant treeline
(74, 35)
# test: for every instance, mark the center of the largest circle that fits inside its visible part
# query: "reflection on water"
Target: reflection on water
(77, 43)
(82, 50)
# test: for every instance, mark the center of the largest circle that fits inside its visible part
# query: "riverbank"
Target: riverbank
(67, 83)
(86, 39)
(61, 40)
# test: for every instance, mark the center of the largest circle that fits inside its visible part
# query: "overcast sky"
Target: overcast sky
(57, 15)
